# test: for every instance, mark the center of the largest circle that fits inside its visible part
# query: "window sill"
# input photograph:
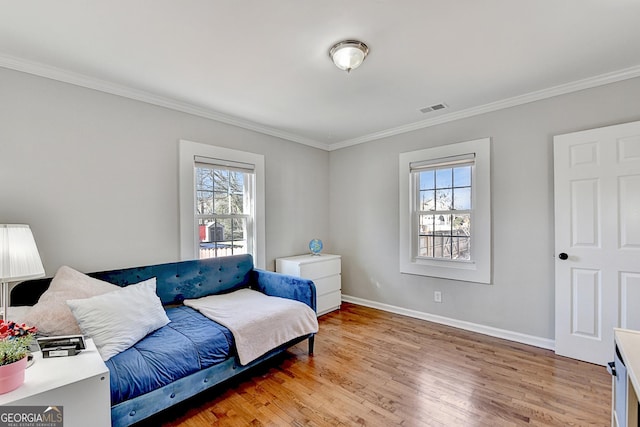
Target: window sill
(467, 271)
(445, 263)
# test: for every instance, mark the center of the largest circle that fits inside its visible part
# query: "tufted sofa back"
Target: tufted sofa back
(178, 281)
(175, 281)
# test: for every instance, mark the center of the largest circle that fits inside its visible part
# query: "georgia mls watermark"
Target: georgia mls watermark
(31, 416)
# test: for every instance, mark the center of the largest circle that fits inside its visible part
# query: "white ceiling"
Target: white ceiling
(264, 65)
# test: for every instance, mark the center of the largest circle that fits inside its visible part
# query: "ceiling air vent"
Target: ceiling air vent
(435, 107)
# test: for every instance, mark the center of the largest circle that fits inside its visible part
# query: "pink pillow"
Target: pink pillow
(51, 315)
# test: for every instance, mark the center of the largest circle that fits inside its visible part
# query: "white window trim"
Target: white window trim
(189, 150)
(479, 268)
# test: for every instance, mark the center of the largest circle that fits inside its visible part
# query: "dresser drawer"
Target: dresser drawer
(327, 284)
(320, 269)
(329, 302)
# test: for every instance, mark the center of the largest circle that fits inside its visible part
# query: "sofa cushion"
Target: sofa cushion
(189, 343)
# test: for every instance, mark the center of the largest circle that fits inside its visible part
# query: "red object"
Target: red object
(12, 329)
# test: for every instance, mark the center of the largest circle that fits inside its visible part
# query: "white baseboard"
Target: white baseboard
(461, 324)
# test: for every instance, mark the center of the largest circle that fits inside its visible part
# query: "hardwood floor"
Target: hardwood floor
(374, 368)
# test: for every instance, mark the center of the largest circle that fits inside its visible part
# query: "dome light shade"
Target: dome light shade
(348, 54)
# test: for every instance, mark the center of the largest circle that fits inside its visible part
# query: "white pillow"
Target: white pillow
(117, 320)
(51, 315)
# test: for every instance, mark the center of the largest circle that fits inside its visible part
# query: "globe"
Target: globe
(315, 245)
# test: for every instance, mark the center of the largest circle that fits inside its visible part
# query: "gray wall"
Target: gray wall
(96, 176)
(364, 210)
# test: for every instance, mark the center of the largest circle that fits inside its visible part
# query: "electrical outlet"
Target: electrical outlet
(437, 296)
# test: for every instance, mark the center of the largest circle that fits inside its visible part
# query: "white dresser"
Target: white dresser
(324, 270)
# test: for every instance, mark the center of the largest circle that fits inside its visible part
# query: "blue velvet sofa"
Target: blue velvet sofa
(191, 353)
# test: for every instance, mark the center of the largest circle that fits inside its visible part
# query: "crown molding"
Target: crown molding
(602, 79)
(54, 73)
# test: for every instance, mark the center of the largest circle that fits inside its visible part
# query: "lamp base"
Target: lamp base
(5, 300)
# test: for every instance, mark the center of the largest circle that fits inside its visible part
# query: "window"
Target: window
(445, 225)
(224, 207)
(443, 210)
(221, 202)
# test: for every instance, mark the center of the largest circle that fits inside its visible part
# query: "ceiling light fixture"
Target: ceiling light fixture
(348, 54)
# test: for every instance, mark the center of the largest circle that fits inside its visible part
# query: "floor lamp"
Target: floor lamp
(19, 258)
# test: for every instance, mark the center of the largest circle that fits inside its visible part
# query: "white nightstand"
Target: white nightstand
(324, 270)
(80, 384)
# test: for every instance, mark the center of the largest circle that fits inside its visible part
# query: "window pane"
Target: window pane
(443, 225)
(443, 178)
(462, 225)
(221, 180)
(446, 247)
(461, 248)
(462, 176)
(202, 232)
(211, 231)
(462, 198)
(438, 247)
(427, 180)
(236, 191)
(204, 179)
(238, 232)
(425, 248)
(223, 230)
(220, 203)
(236, 181)
(236, 202)
(204, 202)
(426, 224)
(443, 199)
(427, 200)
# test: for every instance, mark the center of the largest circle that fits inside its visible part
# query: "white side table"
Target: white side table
(80, 384)
(324, 270)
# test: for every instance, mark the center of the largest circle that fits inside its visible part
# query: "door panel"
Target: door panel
(629, 190)
(584, 154)
(630, 290)
(584, 213)
(597, 224)
(629, 148)
(586, 291)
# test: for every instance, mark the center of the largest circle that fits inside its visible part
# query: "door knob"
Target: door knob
(563, 256)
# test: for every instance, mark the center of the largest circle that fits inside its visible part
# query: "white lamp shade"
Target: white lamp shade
(19, 257)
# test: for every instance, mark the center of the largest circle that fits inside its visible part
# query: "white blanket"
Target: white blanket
(258, 322)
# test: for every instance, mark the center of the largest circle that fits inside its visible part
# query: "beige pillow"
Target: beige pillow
(51, 315)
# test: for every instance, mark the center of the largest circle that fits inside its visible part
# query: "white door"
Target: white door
(597, 239)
